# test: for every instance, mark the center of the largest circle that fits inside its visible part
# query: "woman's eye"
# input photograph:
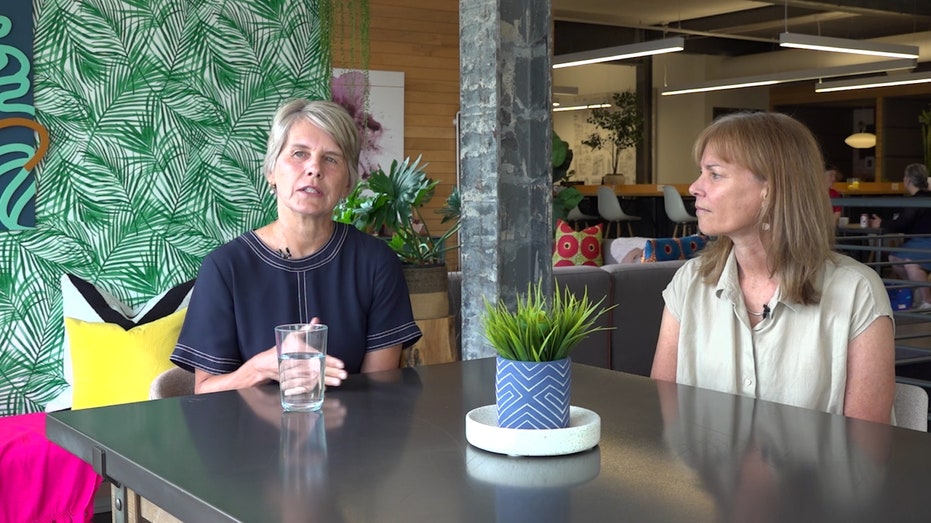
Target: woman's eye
(299, 154)
(332, 159)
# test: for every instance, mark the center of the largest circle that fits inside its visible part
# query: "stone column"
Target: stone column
(505, 146)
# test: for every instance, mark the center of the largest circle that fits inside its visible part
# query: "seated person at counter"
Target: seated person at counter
(769, 310)
(302, 267)
(912, 220)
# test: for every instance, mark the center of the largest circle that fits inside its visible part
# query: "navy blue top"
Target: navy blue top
(354, 284)
(912, 220)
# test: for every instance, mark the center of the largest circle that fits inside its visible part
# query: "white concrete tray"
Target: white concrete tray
(583, 433)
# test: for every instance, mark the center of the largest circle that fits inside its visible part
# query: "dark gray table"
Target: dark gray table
(391, 447)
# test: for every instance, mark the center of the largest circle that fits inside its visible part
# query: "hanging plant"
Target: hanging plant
(925, 119)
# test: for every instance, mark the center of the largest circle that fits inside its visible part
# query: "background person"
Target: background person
(768, 310)
(912, 220)
(301, 268)
(832, 175)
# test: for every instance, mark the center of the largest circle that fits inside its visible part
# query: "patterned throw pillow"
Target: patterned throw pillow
(691, 245)
(664, 249)
(577, 248)
(82, 300)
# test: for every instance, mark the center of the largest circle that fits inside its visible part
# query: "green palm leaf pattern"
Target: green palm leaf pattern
(158, 113)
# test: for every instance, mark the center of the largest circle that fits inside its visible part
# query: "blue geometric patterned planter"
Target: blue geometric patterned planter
(533, 395)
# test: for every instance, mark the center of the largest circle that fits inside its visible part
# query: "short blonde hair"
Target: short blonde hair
(795, 220)
(330, 117)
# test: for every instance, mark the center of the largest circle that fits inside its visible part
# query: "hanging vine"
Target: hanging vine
(925, 119)
(345, 27)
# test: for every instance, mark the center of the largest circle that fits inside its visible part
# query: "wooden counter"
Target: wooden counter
(654, 190)
(634, 189)
(871, 189)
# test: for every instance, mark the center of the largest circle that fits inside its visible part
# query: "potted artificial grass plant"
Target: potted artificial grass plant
(533, 376)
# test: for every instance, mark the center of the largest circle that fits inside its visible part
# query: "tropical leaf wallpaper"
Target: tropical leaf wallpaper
(158, 113)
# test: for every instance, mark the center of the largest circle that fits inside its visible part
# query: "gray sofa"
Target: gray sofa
(636, 290)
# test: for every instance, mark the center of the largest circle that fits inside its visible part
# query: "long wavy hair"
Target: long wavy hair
(795, 221)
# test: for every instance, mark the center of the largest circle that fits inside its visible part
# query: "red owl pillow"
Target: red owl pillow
(577, 248)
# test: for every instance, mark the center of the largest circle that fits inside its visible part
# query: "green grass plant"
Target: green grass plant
(539, 331)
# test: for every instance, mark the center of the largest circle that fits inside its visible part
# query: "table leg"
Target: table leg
(119, 498)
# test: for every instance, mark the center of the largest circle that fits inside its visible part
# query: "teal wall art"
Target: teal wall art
(19, 149)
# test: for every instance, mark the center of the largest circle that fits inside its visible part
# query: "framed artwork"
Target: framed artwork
(375, 99)
(20, 151)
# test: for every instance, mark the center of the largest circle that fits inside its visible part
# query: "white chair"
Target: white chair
(675, 210)
(173, 382)
(575, 216)
(610, 211)
(911, 407)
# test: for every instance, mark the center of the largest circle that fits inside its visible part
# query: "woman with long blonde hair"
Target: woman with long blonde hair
(769, 310)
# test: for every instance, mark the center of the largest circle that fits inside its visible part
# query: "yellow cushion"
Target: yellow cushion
(113, 365)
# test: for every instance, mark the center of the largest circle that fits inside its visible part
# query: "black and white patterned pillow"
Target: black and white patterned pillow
(85, 301)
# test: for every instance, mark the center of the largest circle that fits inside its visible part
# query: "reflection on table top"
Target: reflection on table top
(636, 189)
(391, 447)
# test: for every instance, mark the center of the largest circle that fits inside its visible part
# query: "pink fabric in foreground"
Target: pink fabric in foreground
(40, 481)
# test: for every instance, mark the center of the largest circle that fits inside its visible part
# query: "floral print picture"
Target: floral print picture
(375, 99)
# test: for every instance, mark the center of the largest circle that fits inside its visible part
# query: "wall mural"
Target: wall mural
(158, 114)
(19, 152)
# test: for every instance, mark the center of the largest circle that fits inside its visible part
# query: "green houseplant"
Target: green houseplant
(925, 120)
(537, 331)
(391, 204)
(622, 125)
(564, 198)
(533, 374)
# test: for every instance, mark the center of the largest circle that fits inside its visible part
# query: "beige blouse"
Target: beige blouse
(796, 356)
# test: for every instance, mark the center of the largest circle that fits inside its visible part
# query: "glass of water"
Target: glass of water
(301, 365)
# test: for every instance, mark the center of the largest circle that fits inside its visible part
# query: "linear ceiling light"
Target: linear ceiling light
(876, 81)
(792, 76)
(845, 45)
(621, 52)
(579, 107)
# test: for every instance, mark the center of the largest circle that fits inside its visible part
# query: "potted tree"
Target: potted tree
(533, 373)
(390, 204)
(622, 125)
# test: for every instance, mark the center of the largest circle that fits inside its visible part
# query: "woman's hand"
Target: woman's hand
(261, 368)
(335, 371)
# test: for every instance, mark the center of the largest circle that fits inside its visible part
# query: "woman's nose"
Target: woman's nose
(312, 167)
(695, 186)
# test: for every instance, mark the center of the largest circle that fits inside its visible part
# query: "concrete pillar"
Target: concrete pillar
(505, 145)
